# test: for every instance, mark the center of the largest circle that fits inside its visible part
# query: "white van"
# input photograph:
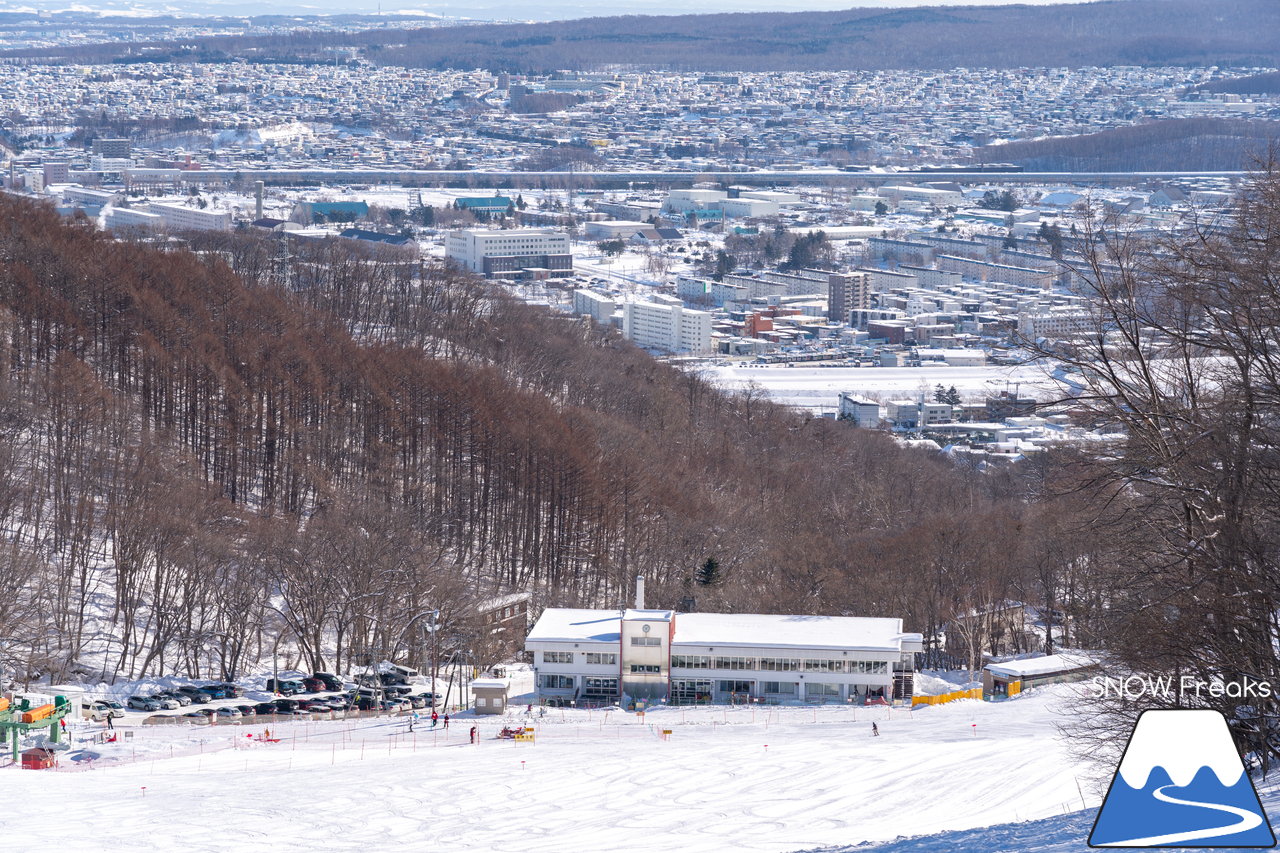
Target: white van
(99, 709)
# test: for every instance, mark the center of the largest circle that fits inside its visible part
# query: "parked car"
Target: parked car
(229, 712)
(181, 698)
(215, 691)
(367, 703)
(248, 710)
(100, 709)
(266, 709)
(417, 700)
(204, 712)
(314, 685)
(231, 691)
(286, 706)
(198, 695)
(331, 681)
(144, 703)
(284, 686)
(338, 703)
(197, 717)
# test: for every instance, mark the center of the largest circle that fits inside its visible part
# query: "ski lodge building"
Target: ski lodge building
(589, 657)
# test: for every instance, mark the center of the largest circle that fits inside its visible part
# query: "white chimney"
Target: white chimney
(639, 592)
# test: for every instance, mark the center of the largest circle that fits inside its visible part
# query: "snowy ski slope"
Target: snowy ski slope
(765, 779)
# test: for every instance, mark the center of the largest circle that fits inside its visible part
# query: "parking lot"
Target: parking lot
(320, 696)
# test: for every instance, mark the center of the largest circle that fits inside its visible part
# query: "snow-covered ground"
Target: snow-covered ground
(820, 387)
(762, 779)
(1062, 834)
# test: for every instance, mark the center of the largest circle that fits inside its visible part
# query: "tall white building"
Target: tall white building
(670, 328)
(515, 253)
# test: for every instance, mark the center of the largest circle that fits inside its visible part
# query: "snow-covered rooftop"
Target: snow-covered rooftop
(488, 683)
(649, 615)
(559, 624)
(1042, 665)
(828, 632)
(732, 629)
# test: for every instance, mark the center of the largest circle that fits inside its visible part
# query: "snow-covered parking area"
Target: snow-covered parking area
(762, 779)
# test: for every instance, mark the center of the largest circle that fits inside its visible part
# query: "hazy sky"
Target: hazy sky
(543, 10)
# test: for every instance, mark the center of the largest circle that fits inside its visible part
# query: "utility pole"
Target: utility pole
(435, 649)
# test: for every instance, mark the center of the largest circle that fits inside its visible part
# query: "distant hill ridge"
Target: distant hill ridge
(1121, 32)
(1173, 145)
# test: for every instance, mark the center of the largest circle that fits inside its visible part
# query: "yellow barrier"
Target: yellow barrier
(974, 693)
(1015, 687)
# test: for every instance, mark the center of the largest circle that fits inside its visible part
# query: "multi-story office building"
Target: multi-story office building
(608, 656)
(669, 328)
(514, 253)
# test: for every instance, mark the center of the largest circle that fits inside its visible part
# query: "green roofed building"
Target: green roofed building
(487, 204)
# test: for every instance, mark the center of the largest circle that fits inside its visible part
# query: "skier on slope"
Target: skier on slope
(875, 730)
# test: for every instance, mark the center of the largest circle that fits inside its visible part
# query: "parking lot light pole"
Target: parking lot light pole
(435, 649)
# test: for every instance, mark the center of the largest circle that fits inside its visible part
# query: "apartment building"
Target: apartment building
(846, 292)
(179, 217)
(860, 411)
(669, 328)
(595, 305)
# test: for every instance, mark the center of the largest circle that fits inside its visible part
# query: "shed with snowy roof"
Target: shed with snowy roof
(1000, 680)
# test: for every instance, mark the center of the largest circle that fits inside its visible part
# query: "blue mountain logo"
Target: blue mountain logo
(1181, 783)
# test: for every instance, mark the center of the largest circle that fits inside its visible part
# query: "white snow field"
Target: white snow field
(743, 779)
(819, 388)
(1062, 834)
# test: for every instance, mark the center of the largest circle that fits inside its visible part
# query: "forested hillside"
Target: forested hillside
(1121, 32)
(208, 453)
(1255, 84)
(1191, 144)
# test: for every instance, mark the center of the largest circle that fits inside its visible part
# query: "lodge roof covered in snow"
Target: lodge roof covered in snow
(734, 630)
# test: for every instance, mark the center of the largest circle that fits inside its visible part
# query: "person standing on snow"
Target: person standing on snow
(434, 719)
(875, 730)
(446, 721)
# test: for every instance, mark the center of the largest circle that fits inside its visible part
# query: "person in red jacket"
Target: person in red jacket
(434, 719)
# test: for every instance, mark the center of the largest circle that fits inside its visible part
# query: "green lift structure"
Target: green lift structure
(16, 722)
